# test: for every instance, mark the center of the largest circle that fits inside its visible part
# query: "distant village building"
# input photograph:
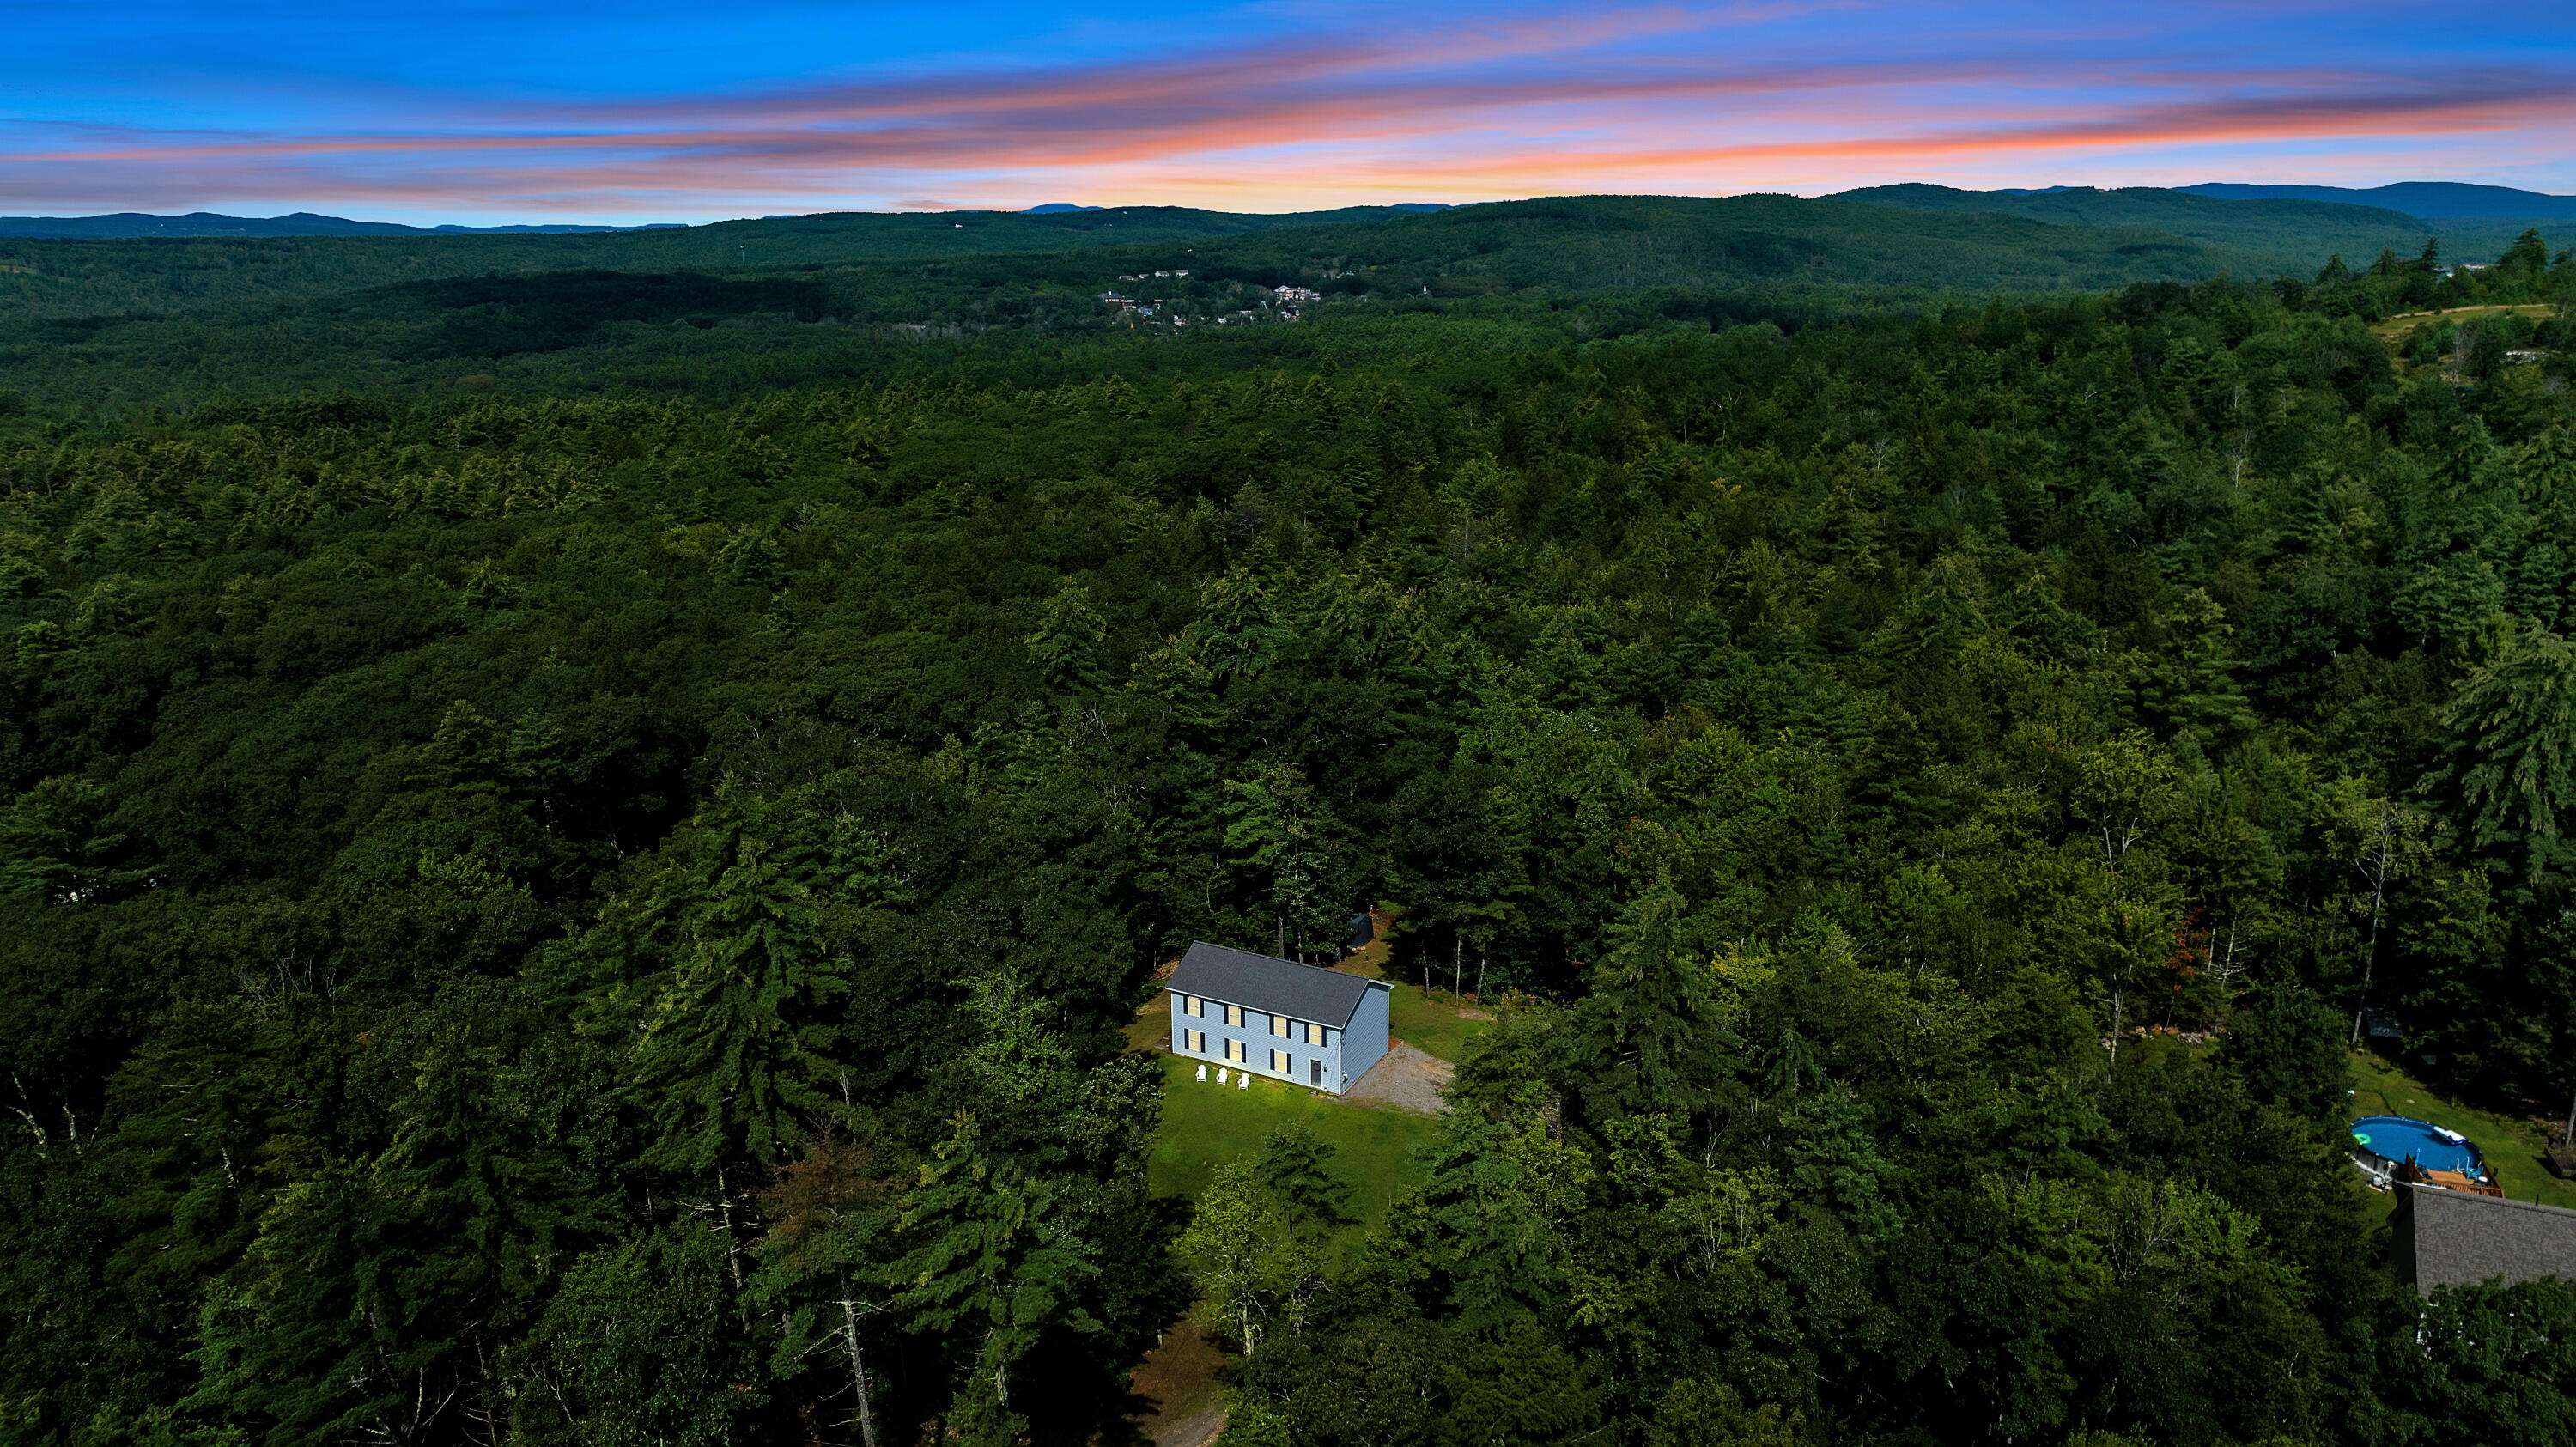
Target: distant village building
(2457, 1238)
(1113, 299)
(1296, 293)
(1316, 1027)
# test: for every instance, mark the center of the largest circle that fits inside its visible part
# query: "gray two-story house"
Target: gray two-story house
(1278, 1018)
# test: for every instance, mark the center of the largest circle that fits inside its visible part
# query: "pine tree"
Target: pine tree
(826, 1263)
(992, 1265)
(1070, 645)
(737, 1022)
(2512, 768)
(1296, 1169)
(1649, 1034)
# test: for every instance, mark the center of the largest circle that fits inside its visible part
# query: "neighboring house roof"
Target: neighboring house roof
(1270, 985)
(2454, 1238)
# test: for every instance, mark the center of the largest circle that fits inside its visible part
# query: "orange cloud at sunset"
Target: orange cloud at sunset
(1805, 97)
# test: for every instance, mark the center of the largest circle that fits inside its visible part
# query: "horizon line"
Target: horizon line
(932, 208)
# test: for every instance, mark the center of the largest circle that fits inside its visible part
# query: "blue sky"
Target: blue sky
(478, 111)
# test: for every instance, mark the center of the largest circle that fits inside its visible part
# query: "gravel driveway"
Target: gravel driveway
(1405, 1078)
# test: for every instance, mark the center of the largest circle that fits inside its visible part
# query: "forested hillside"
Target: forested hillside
(2441, 200)
(2282, 232)
(128, 225)
(2280, 227)
(935, 263)
(53, 278)
(569, 876)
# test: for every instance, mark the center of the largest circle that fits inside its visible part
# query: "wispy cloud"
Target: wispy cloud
(1676, 97)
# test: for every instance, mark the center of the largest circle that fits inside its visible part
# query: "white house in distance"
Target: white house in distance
(1296, 293)
(1319, 1028)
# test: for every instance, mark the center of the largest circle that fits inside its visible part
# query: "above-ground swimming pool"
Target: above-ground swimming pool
(2392, 1138)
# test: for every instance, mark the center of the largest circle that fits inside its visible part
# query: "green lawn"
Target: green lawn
(2395, 328)
(2512, 1147)
(1205, 1125)
(1434, 1022)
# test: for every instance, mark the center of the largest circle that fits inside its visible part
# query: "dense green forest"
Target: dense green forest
(576, 849)
(2272, 233)
(977, 265)
(51, 279)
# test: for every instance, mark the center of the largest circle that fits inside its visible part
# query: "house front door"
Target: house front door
(1315, 1071)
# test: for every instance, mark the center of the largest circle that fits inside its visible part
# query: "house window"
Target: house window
(1234, 1051)
(1279, 1026)
(1314, 1034)
(1279, 1063)
(1194, 1041)
(1192, 1005)
(1234, 1016)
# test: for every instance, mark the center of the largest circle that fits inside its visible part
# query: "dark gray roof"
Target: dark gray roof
(2459, 1238)
(1270, 985)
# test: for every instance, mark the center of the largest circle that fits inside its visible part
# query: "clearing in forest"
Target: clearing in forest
(2512, 1146)
(1206, 1125)
(2394, 329)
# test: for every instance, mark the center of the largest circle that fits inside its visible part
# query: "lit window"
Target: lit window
(1314, 1034)
(1234, 1016)
(1193, 1005)
(1194, 1041)
(1279, 1062)
(1234, 1051)
(1279, 1026)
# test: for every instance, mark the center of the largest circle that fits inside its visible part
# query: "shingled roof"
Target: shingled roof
(2457, 1238)
(1269, 985)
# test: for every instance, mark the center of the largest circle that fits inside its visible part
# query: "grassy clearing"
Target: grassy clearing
(1205, 1125)
(2512, 1147)
(2394, 329)
(1435, 1022)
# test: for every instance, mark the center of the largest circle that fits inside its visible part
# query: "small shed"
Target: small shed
(2457, 1238)
(1315, 1027)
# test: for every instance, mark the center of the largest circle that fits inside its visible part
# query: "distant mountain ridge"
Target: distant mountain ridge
(2432, 200)
(2252, 236)
(215, 226)
(203, 225)
(2272, 227)
(2130, 205)
(2200, 211)
(1915, 239)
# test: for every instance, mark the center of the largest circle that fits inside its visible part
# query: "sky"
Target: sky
(651, 110)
